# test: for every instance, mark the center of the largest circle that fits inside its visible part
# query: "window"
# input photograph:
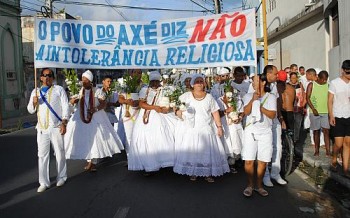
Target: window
(334, 26)
(272, 5)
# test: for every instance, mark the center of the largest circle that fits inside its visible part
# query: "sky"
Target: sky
(111, 14)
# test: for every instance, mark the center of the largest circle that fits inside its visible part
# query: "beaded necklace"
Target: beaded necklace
(47, 118)
(90, 106)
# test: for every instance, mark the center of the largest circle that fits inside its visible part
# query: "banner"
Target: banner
(227, 39)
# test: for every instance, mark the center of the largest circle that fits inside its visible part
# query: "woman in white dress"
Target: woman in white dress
(128, 112)
(90, 134)
(152, 142)
(200, 151)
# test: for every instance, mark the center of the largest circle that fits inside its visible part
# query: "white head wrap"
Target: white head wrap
(195, 76)
(88, 75)
(223, 71)
(155, 75)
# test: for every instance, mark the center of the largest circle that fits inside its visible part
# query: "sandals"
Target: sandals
(209, 179)
(90, 167)
(193, 178)
(262, 192)
(248, 192)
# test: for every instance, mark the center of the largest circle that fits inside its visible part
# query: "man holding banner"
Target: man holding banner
(50, 102)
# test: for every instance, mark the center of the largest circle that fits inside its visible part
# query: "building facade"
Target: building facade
(296, 33)
(336, 14)
(12, 100)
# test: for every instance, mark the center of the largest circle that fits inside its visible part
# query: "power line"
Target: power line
(115, 9)
(196, 3)
(127, 7)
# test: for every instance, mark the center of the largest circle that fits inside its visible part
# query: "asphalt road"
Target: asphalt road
(113, 191)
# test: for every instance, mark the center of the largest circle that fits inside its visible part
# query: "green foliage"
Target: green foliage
(72, 81)
(131, 83)
(145, 78)
(227, 86)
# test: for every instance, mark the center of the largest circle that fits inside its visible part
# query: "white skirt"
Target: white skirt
(96, 139)
(152, 144)
(199, 152)
(232, 138)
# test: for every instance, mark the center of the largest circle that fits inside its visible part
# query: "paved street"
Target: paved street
(114, 191)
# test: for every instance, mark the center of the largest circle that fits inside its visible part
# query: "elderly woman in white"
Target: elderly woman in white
(152, 142)
(200, 151)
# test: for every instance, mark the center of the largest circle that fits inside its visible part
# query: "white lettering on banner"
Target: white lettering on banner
(218, 40)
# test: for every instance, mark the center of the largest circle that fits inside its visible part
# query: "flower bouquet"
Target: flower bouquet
(72, 82)
(174, 100)
(230, 99)
(131, 89)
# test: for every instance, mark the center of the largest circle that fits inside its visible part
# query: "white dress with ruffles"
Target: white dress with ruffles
(96, 139)
(152, 144)
(198, 149)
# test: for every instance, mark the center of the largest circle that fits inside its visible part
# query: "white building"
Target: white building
(311, 33)
(296, 33)
(336, 14)
(12, 101)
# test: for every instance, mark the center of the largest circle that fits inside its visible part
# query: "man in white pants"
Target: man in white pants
(50, 102)
(271, 73)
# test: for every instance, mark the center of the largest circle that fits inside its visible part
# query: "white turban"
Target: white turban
(155, 75)
(88, 75)
(223, 71)
(195, 76)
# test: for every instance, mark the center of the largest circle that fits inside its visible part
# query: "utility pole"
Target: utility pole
(266, 53)
(217, 5)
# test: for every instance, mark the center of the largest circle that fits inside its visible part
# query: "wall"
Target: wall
(11, 86)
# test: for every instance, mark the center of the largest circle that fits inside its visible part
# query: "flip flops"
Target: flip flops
(248, 192)
(262, 192)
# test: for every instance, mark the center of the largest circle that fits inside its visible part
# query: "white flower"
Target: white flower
(102, 97)
(66, 80)
(172, 104)
(69, 83)
(233, 115)
(182, 107)
(229, 94)
(75, 96)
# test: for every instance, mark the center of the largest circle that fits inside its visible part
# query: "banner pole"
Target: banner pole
(35, 82)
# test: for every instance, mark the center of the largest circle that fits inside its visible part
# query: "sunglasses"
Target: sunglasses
(47, 75)
(347, 71)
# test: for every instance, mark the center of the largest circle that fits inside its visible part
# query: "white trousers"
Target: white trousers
(44, 138)
(277, 151)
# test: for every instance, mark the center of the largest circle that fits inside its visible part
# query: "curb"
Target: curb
(325, 167)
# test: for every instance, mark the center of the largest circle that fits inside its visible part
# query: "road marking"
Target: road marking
(122, 212)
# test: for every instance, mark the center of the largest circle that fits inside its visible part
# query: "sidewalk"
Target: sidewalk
(25, 121)
(323, 162)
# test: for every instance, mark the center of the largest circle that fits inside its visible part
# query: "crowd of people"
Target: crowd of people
(205, 132)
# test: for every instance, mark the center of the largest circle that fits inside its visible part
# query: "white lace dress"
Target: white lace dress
(152, 144)
(96, 139)
(198, 149)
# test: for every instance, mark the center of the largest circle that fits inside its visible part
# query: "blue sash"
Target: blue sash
(49, 106)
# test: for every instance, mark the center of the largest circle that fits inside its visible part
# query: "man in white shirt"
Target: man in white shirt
(50, 102)
(239, 82)
(218, 89)
(339, 116)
